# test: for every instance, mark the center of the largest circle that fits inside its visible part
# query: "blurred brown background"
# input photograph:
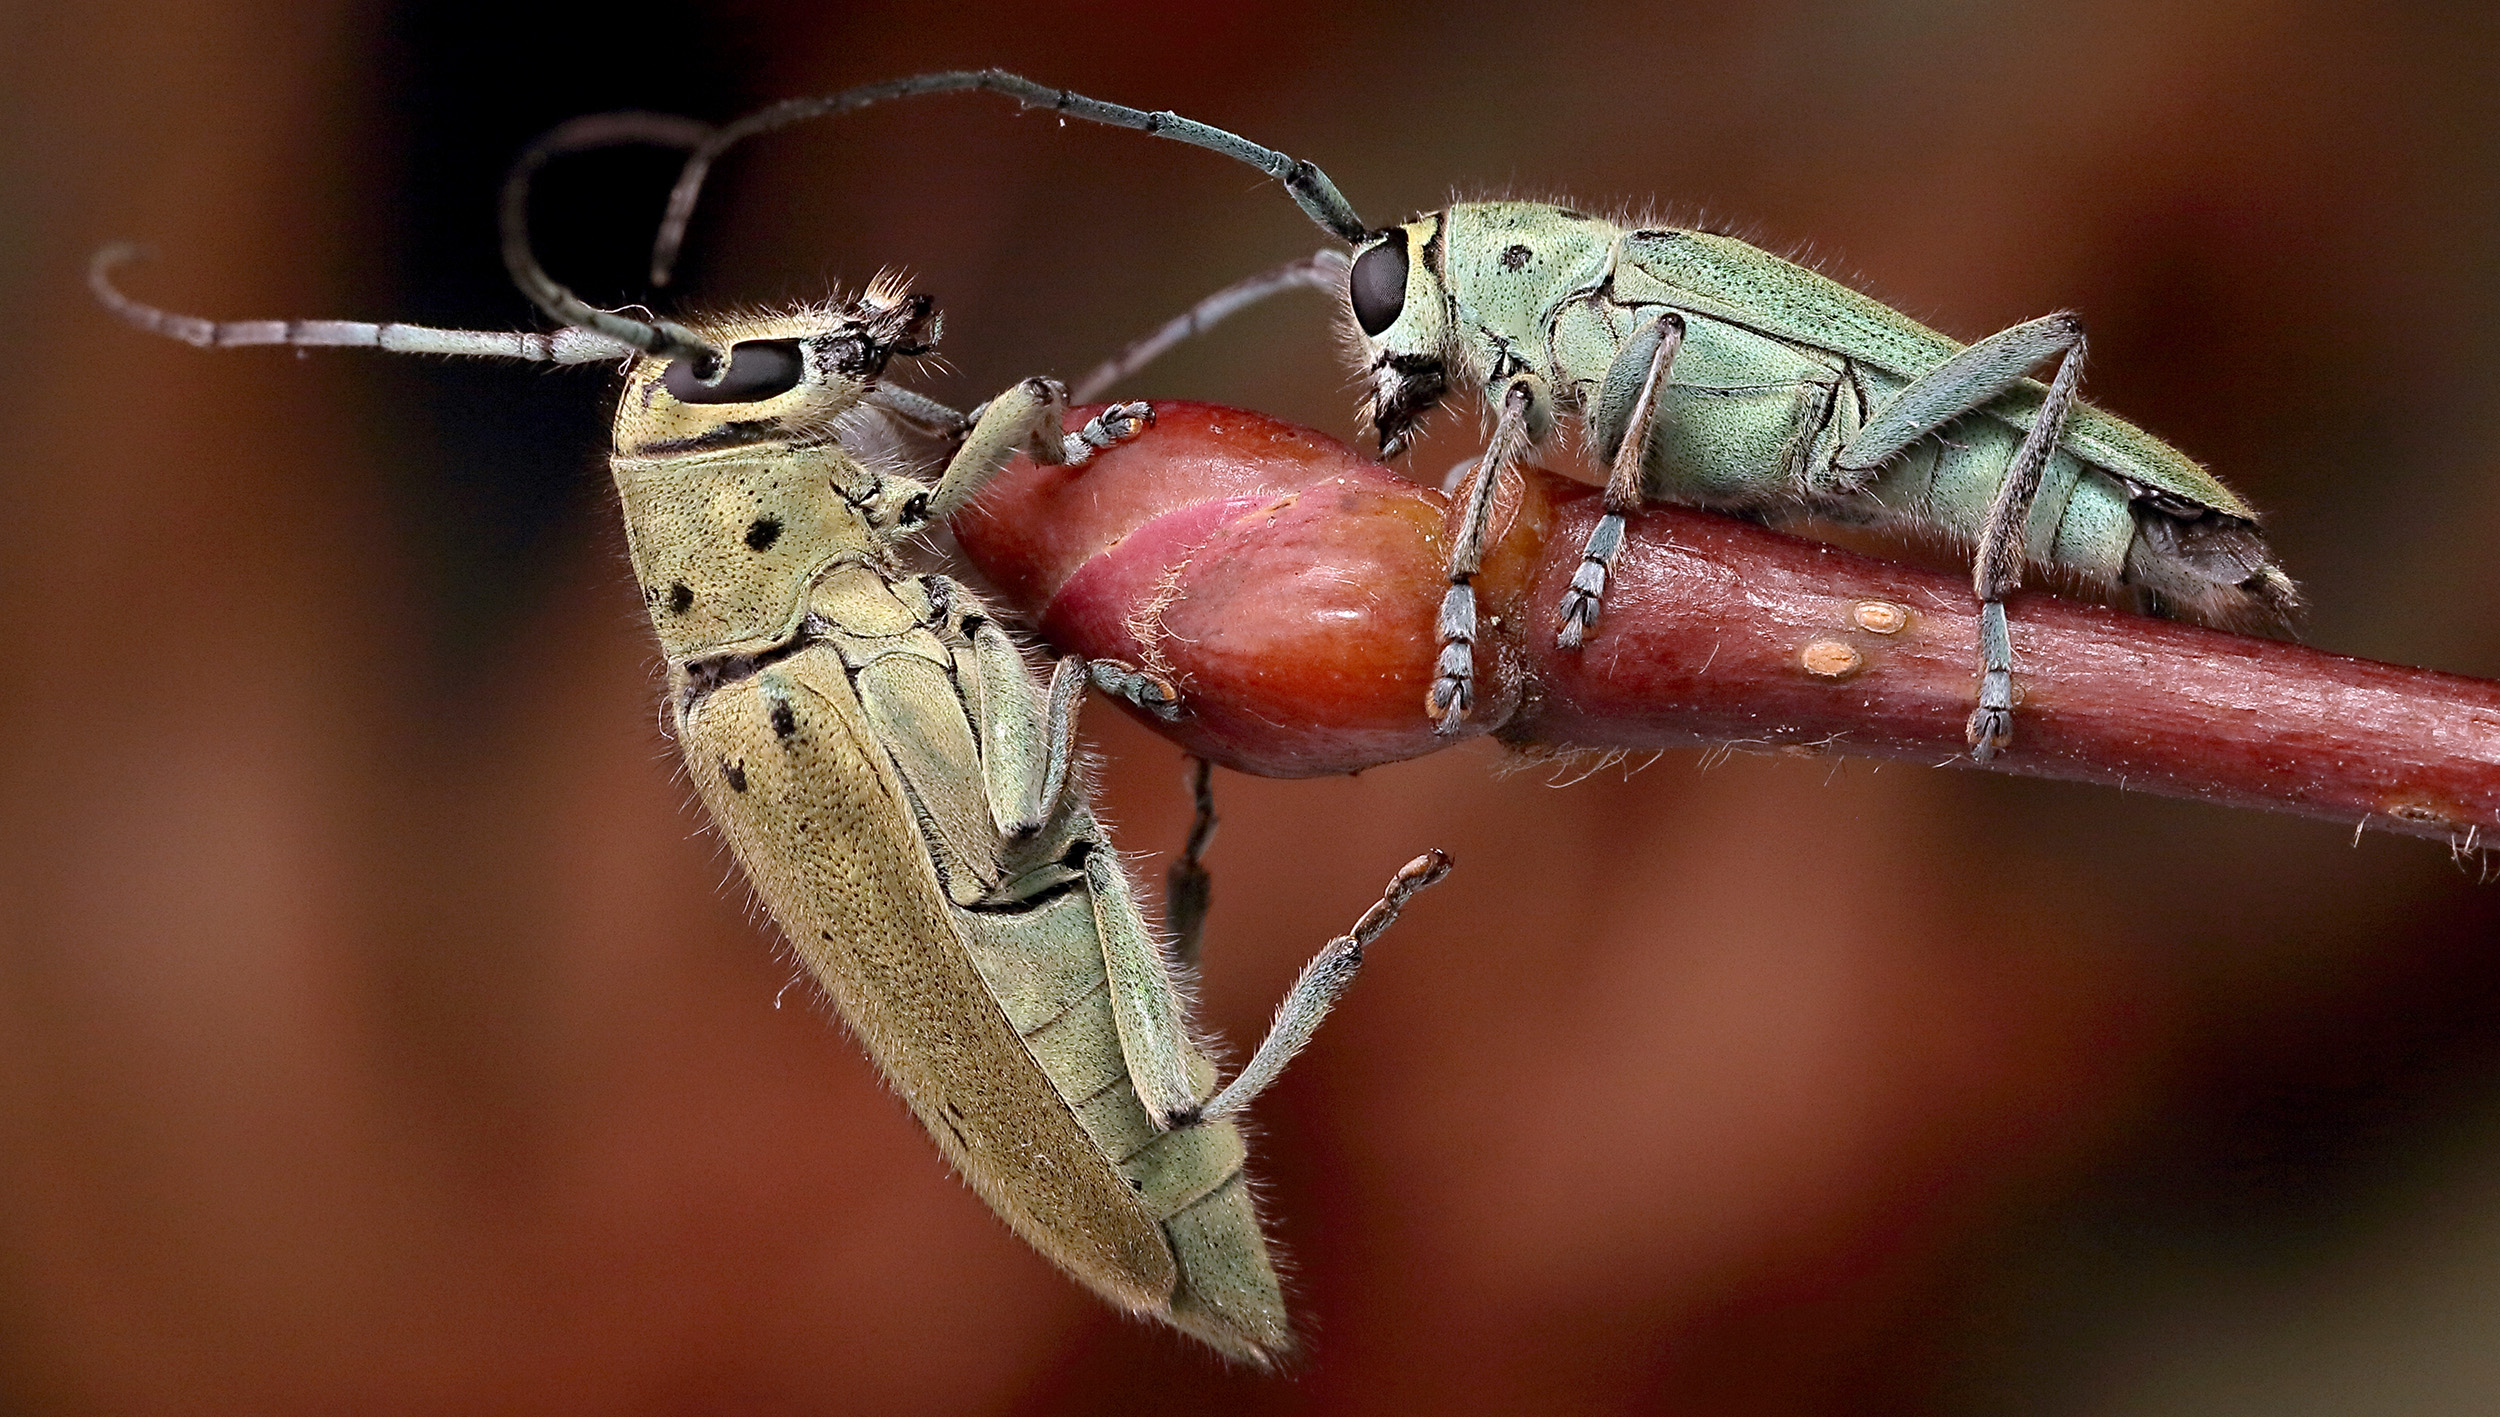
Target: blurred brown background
(379, 1030)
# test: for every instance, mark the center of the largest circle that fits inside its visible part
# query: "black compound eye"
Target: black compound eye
(758, 369)
(1378, 285)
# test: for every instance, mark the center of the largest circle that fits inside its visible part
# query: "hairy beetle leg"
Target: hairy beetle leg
(1453, 689)
(1145, 1001)
(1624, 415)
(1587, 595)
(1323, 981)
(1969, 381)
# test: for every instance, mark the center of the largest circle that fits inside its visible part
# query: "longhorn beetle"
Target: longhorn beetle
(1706, 371)
(906, 800)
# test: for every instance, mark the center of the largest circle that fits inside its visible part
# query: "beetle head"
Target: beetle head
(790, 375)
(1401, 326)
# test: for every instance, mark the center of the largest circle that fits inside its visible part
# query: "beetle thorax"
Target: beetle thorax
(1510, 265)
(726, 545)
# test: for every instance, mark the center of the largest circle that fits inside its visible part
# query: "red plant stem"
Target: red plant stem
(1288, 586)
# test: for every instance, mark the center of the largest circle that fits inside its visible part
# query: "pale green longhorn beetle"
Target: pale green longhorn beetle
(906, 800)
(1706, 371)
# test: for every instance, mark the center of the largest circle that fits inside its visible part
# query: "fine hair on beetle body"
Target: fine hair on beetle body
(908, 802)
(1700, 369)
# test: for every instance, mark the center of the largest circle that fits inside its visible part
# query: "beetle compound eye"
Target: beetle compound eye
(758, 369)
(1378, 285)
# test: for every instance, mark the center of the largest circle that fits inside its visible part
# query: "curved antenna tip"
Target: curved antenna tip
(111, 256)
(661, 338)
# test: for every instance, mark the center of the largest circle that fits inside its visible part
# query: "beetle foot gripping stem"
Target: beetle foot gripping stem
(1147, 690)
(1453, 689)
(1992, 723)
(1587, 596)
(1105, 430)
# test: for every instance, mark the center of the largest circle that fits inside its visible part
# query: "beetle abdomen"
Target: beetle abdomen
(1189, 1180)
(785, 761)
(2091, 527)
(1025, 1091)
(2198, 564)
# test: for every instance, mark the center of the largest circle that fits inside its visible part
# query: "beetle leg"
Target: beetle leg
(922, 413)
(1036, 789)
(1323, 271)
(1151, 692)
(1998, 567)
(1146, 690)
(1145, 998)
(1188, 890)
(1027, 760)
(1967, 382)
(1323, 981)
(1030, 763)
(1027, 418)
(1105, 430)
(1453, 689)
(1651, 352)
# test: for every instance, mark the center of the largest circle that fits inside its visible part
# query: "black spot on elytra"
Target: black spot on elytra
(736, 773)
(1516, 257)
(680, 598)
(764, 532)
(785, 722)
(1568, 214)
(1136, 1184)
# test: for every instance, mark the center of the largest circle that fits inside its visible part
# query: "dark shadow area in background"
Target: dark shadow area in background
(495, 467)
(2284, 1148)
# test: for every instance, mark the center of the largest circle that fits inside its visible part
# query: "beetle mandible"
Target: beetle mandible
(1703, 370)
(905, 799)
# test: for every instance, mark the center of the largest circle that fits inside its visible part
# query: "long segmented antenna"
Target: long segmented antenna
(571, 345)
(1310, 188)
(1321, 270)
(660, 338)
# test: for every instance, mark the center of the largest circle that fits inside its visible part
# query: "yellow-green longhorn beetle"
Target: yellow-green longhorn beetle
(907, 801)
(1706, 371)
